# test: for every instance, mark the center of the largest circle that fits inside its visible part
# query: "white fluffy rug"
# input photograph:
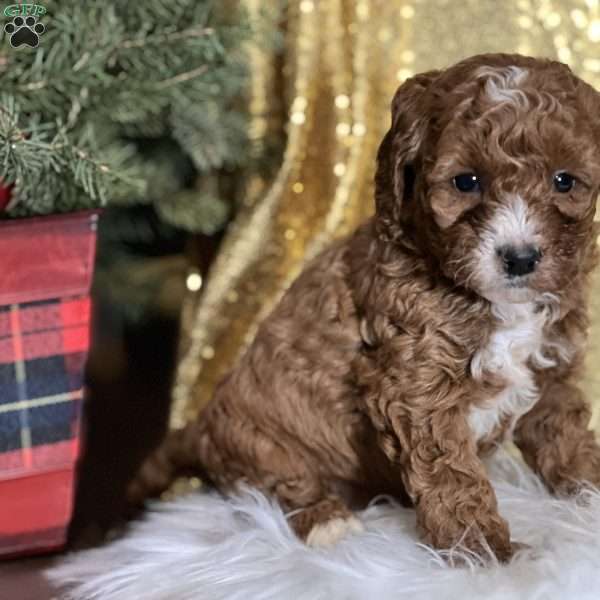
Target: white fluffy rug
(203, 547)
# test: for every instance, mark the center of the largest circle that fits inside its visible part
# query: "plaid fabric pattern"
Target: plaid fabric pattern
(44, 339)
(43, 348)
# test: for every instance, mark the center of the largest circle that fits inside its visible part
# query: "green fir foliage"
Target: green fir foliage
(124, 101)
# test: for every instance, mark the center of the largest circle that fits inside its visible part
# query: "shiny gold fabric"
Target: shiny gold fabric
(343, 61)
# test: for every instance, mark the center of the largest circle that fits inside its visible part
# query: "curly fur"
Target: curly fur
(402, 354)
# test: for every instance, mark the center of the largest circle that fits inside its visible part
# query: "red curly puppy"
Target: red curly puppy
(453, 319)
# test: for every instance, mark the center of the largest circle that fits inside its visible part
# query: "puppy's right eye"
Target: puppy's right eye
(467, 182)
(563, 182)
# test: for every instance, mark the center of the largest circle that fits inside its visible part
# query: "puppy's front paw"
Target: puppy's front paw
(486, 535)
(497, 541)
(326, 535)
(502, 549)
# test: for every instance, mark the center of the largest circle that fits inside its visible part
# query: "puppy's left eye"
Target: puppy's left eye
(563, 182)
(467, 182)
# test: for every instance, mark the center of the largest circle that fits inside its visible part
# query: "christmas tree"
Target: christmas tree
(122, 102)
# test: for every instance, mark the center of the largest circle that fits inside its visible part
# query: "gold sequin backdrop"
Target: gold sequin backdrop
(343, 61)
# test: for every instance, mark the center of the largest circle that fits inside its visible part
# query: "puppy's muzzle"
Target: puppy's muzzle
(519, 261)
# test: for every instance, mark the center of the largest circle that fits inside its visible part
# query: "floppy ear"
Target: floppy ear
(394, 175)
(589, 99)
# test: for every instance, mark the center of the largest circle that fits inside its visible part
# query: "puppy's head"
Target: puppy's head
(492, 168)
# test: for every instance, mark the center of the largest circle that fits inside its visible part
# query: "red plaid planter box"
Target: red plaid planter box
(46, 268)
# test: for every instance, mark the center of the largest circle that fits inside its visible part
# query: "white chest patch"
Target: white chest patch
(518, 339)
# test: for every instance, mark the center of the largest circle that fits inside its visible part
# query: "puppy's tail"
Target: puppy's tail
(177, 455)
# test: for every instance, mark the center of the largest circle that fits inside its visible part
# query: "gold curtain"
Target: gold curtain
(343, 60)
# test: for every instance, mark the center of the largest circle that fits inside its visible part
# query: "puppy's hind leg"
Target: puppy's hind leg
(177, 455)
(324, 523)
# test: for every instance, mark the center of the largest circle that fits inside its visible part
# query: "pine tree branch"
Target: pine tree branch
(134, 112)
(193, 32)
(55, 147)
(182, 77)
(20, 135)
(34, 85)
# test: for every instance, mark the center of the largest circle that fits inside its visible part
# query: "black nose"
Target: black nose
(519, 261)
